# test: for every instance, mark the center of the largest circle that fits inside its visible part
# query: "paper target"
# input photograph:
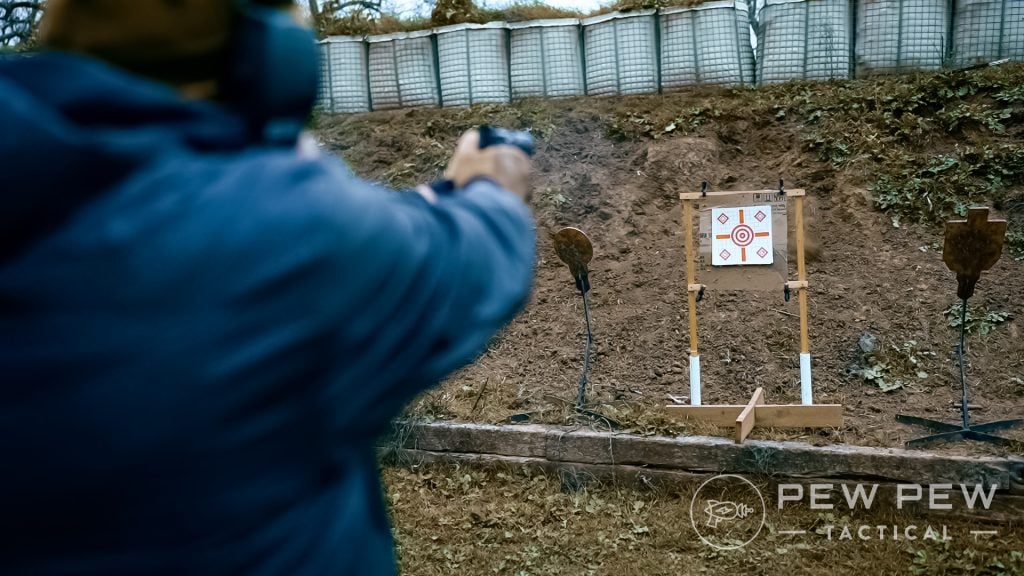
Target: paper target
(741, 236)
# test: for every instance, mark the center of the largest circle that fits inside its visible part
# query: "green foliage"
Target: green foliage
(632, 127)
(693, 118)
(933, 144)
(980, 320)
(1015, 240)
(551, 197)
(1011, 95)
(892, 127)
(891, 368)
(640, 126)
(947, 184)
(942, 559)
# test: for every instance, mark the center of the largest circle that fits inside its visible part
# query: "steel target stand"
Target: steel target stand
(576, 251)
(971, 247)
(744, 417)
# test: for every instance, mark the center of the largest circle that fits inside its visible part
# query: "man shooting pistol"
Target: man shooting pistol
(203, 331)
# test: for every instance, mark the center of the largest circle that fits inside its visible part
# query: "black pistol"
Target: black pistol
(493, 136)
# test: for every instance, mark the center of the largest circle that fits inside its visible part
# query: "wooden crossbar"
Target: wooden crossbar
(766, 415)
(719, 193)
(745, 417)
(745, 421)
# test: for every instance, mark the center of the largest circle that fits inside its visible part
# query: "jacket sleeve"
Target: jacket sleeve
(416, 290)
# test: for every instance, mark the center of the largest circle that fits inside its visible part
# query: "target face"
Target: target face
(741, 236)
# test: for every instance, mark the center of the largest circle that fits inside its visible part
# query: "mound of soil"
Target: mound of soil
(872, 282)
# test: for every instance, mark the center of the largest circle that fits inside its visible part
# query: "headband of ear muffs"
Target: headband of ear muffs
(273, 72)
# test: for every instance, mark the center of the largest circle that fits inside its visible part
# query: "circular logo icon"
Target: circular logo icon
(742, 235)
(727, 512)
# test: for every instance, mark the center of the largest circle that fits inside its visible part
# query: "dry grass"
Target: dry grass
(451, 519)
(461, 12)
(523, 11)
(359, 24)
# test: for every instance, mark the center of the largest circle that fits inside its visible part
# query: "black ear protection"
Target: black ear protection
(273, 72)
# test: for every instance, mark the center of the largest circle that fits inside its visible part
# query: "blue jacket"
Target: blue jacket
(201, 338)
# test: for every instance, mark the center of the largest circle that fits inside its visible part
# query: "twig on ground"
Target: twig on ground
(483, 389)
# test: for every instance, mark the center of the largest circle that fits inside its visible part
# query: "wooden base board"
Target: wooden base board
(756, 413)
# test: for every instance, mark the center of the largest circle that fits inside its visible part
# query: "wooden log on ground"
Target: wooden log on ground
(1005, 508)
(703, 454)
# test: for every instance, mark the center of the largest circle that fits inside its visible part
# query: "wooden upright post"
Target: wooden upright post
(691, 274)
(806, 395)
(801, 275)
(692, 288)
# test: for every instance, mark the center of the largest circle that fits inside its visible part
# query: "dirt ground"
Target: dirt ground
(871, 278)
(467, 520)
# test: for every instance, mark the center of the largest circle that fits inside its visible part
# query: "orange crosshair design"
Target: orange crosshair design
(747, 232)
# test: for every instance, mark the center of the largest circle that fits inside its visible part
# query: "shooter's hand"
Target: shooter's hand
(506, 165)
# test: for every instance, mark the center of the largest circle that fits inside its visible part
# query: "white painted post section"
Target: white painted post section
(805, 379)
(695, 380)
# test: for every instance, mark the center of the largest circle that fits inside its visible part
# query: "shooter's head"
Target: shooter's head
(181, 42)
(255, 55)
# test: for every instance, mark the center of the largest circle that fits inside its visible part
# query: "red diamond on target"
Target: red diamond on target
(762, 252)
(760, 216)
(723, 218)
(724, 254)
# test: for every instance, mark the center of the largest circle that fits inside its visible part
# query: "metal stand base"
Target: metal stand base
(964, 431)
(953, 432)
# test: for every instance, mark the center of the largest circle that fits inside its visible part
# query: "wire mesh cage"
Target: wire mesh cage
(546, 58)
(901, 35)
(706, 44)
(987, 30)
(401, 70)
(647, 50)
(473, 63)
(343, 81)
(621, 53)
(804, 40)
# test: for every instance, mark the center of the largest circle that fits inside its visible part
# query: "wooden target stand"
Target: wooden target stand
(755, 413)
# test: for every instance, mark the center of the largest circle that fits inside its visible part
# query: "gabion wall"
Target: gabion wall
(804, 40)
(402, 70)
(344, 85)
(987, 30)
(547, 59)
(648, 51)
(473, 63)
(901, 35)
(707, 44)
(621, 53)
